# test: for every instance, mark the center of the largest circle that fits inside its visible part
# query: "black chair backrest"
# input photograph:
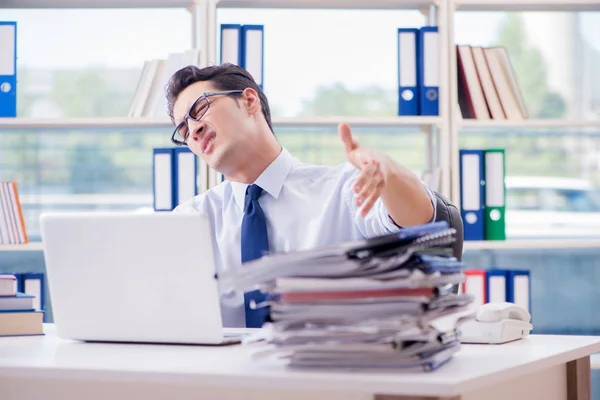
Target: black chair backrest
(446, 211)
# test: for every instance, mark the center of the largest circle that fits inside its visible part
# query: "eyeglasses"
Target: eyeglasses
(196, 112)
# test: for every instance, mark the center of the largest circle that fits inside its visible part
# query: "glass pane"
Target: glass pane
(91, 65)
(329, 62)
(111, 169)
(323, 145)
(571, 200)
(522, 199)
(80, 170)
(552, 179)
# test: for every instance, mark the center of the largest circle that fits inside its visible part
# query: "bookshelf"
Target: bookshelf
(541, 244)
(96, 3)
(447, 125)
(364, 122)
(329, 4)
(83, 123)
(315, 4)
(437, 10)
(126, 122)
(527, 5)
(457, 123)
(529, 124)
(468, 245)
(32, 246)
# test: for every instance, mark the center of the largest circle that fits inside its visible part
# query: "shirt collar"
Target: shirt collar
(271, 180)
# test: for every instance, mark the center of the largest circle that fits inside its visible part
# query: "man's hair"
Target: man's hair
(223, 77)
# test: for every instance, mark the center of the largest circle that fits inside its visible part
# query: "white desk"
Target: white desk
(47, 368)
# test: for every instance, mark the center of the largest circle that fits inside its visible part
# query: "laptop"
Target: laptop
(134, 277)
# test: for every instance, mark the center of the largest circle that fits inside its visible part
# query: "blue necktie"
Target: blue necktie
(255, 244)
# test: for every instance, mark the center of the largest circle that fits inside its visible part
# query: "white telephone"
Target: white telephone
(497, 323)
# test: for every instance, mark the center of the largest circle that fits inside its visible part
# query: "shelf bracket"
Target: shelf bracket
(430, 14)
(192, 6)
(430, 150)
(426, 129)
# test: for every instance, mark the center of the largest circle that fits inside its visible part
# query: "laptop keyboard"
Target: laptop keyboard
(235, 334)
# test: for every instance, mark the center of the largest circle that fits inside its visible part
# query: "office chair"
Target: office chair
(446, 211)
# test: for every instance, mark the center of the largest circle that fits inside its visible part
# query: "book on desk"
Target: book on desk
(20, 313)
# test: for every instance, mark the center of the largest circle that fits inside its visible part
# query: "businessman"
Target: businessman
(270, 201)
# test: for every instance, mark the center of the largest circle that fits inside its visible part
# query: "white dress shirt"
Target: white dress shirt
(305, 205)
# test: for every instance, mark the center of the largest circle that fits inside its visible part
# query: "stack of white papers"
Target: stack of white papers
(373, 303)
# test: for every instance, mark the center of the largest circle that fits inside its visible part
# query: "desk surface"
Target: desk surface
(474, 366)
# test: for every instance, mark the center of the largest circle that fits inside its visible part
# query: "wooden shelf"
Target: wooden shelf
(304, 4)
(376, 122)
(329, 4)
(33, 246)
(530, 124)
(165, 123)
(528, 5)
(96, 3)
(83, 123)
(531, 244)
(468, 245)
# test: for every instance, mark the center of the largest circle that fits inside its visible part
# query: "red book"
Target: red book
(475, 284)
(300, 297)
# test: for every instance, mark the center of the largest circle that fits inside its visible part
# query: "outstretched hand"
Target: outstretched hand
(373, 170)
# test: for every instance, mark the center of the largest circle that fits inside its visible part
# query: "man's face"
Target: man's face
(219, 134)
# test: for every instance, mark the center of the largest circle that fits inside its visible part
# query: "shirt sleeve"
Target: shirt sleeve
(191, 206)
(378, 221)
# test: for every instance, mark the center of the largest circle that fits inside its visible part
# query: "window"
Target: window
(90, 66)
(329, 62)
(87, 68)
(523, 199)
(79, 170)
(565, 200)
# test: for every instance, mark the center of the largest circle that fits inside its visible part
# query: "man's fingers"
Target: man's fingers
(365, 176)
(346, 136)
(369, 202)
(375, 184)
(370, 183)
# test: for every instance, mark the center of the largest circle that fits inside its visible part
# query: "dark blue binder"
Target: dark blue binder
(519, 288)
(237, 28)
(408, 93)
(428, 52)
(256, 71)
(163, 178)
(184, 184)
(8, 69)
(472, 193)
(496, 280)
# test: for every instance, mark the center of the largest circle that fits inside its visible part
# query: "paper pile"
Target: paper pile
(371, 303)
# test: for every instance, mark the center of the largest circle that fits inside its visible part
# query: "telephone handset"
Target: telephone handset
(497, 323)
(496, 312)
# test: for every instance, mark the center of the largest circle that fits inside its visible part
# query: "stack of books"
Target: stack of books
(487, 84)
(149, 99)
(386, 302)
(17, 313)
(12, 222)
